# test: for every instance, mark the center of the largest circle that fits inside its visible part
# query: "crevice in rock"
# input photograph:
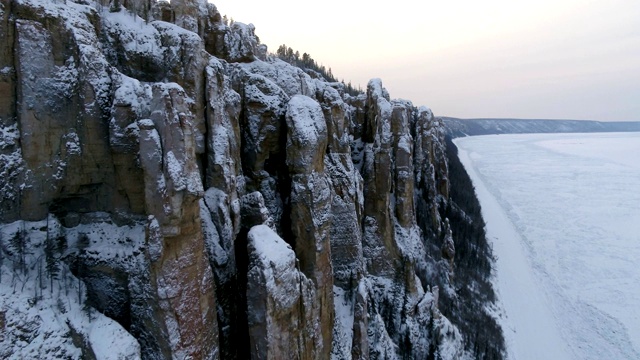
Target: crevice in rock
(239, 346)
(202, 161)
(276, 166)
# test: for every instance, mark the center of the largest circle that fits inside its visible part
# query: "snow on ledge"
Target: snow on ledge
(269, 246)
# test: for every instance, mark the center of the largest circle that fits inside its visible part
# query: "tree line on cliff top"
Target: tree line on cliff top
(311, 66)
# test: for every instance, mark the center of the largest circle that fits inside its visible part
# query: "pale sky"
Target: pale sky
(560, 59)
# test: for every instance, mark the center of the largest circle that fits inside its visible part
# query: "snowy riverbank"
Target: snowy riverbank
(563, 214)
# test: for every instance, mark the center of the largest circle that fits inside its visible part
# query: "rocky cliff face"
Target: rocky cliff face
(213, 201)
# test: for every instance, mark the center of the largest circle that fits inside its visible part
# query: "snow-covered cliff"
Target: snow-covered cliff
(171, 190)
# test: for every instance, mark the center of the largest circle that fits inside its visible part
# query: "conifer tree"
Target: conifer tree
(18, 243)
(51, 259)
(306, 62)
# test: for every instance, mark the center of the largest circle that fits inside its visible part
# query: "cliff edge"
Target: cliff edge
(169, 189)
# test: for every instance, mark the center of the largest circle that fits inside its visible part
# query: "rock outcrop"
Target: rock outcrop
(281, 301)
(310, 203)
(216, 201)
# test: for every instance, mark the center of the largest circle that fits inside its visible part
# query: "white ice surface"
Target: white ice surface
(563, 215)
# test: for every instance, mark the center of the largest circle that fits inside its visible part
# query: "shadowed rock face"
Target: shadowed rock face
(282, 217)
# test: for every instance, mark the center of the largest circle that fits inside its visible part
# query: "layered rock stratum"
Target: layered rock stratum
(169, 189)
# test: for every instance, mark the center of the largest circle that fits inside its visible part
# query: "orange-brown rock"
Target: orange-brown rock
(282, 314)
(311, 207)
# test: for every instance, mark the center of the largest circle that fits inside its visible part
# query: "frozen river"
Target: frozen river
(563, 215)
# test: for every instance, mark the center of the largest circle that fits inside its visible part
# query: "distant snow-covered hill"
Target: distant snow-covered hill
(486, 126)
